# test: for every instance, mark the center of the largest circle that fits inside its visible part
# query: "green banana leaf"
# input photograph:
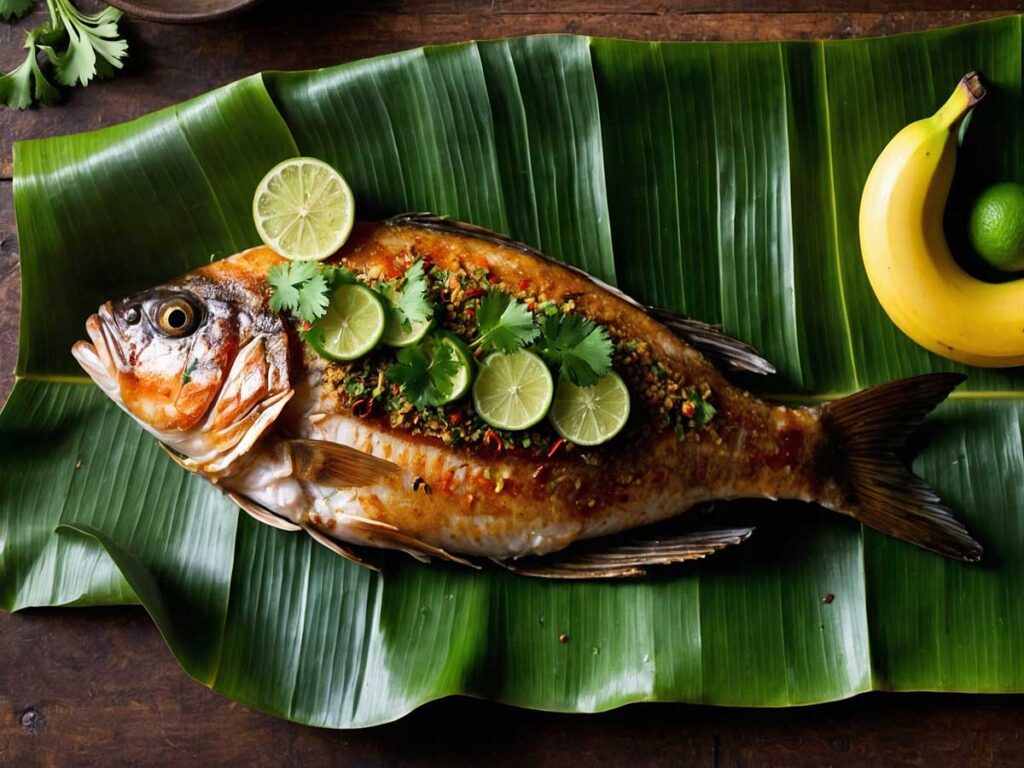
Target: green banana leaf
(722, 180)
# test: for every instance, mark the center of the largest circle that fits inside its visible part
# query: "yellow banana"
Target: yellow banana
(923, 290)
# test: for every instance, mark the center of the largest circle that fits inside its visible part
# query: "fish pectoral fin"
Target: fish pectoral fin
(336, 548)
(625, 558)
(261, 513)
(336, 465)
(378, 534)
(733, 354)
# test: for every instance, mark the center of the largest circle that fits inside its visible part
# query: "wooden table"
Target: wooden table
(97, 686)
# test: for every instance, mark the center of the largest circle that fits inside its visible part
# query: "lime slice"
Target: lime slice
(591, 415)
(303, 209)
(513, 391)
(395, 334)
(461, 380)
(352, 326)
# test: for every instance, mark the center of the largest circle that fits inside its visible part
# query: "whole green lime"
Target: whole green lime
(997, 226)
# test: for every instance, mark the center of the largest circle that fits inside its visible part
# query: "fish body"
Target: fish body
(297, 441)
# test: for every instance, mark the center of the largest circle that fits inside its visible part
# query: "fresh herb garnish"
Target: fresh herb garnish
(14, 9)
(79, 46)
(300, 288)
(581, 349)
(26, 82)
(408, 297)
(505, 323)
(94, 47)
(304, 288)
(425, 372)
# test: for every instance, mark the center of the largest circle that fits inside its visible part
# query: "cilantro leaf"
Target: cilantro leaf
(505, 323)
(314, 298)
(408, 297)
(25, 84)
(425, 372)
(94, 45)
(580, 348)
(14, 9)
(299, 287)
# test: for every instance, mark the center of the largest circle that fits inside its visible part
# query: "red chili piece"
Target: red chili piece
(493, 437)
(395, 389)
(362, 407)
(524, 284)
(473, 293)
(554, 448)
(688, 409)
(492, 278)
(305, 326)
(455, 418)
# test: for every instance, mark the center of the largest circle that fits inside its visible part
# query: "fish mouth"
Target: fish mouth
(102, 358)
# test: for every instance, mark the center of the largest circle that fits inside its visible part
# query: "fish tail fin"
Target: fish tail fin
(867, 430)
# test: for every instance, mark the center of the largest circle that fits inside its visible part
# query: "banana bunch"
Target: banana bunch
(923, 290)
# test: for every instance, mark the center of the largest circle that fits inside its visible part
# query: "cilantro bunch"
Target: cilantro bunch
(408, 297)
(304, 288)
(76, 46)
(580, 349)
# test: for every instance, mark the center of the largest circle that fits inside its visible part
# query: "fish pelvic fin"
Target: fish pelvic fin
(866, 431)
(626, 557)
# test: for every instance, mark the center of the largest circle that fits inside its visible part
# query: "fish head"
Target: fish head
(195, 360)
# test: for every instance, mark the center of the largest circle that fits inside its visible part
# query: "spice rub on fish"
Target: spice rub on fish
(339, 451)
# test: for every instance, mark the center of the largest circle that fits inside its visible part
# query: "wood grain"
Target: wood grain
(98, 686)
(78, 686)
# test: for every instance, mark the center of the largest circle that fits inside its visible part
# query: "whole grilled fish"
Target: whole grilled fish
(230, 388)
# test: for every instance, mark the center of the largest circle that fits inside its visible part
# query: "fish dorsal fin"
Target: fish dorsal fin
(732, 354)
(727, 352)
(261, 513)
(338, 466)
(377, 534)
(629, 557)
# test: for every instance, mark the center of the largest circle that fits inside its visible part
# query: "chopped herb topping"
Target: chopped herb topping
(186, 375)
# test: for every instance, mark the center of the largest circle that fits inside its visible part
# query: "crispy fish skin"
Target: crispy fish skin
(445, 501)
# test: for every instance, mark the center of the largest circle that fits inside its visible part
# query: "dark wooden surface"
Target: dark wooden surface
(98, 686)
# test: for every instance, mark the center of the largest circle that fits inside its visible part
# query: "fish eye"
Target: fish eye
(176, 317)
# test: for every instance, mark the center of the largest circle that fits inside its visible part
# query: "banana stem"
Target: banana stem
(969, 91)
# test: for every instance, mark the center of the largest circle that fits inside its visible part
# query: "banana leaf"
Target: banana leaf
(718, 179)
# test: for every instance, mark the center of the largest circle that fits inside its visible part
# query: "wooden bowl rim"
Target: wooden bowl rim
(146, 11)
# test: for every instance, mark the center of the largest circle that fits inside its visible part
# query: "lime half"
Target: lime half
(303, 209)
(395, 334)
(352, 325)
(513, 391)
(462, 379)
(591, 415)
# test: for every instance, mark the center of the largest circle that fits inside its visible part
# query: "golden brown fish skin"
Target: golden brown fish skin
(752, 449)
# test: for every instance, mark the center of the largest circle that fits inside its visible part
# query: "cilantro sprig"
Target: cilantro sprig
(304, 288)
(581, 349)
(78, 47)
(425, 372)
(14, 9)
(408, 297)
(505, 323)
